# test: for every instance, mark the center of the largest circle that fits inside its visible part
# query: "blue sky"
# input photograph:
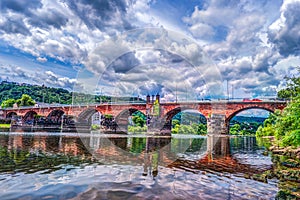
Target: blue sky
(88, 46)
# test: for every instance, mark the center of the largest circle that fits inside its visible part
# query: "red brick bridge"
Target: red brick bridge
(217, 113)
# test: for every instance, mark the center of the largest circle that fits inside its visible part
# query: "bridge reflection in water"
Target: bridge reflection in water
(188, 153)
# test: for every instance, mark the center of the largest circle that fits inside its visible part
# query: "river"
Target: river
(94, 166)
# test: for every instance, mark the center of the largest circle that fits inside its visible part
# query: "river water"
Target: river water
(97, 166)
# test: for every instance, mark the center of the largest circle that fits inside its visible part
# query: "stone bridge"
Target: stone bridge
(217, 113)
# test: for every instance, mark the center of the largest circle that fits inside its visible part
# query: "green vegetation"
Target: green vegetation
(138, 123)
(41, 93)
(4, 125)
(25, 100)
(95, 127)
(292, 89)
(189, 123)
(243, 125)
(285, 125)
(11, 90)
(196, 129)
(286, 170)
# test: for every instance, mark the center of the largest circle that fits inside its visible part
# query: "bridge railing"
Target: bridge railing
(73, 105)
(235, 100)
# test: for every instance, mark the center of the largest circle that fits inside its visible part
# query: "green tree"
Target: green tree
(202, 129)
(175, 122)
(8, 103)
(138, 121)
(25, 100)
(286, 126)
(235, 129)
(293, 87)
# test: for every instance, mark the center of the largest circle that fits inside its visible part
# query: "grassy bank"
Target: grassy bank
(4, 125)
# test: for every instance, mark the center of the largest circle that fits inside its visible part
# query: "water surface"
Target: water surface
(93, 166)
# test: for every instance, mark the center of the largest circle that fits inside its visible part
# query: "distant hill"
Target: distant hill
(248, 119)
(41, 93)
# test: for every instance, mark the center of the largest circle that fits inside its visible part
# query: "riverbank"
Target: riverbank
(286, 169)
(4, 125)
(289, 151)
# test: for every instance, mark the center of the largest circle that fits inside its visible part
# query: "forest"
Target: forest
(12, 91)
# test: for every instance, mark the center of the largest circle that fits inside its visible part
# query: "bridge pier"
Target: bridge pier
(216, 125)
(218, 146)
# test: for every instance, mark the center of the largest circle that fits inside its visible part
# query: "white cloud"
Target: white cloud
(42, 59)
(249, 43)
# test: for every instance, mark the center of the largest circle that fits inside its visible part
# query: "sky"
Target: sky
(181, 49)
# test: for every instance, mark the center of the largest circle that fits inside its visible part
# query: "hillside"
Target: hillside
(248, 119)
(40, 93)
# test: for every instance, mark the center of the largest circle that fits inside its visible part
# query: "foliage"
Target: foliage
(95, 127)
(196, 129)
(138, 121)
(8, 103)
(293, 87)
(41, 93)
(285, 126)
(108, 116)
(247, 127)
(235, 129)
(137, 129)
(188, 118)
(25, 100)
(4, 125)
(11, 90)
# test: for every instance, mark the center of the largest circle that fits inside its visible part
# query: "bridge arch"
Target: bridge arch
(121, 120)
(29, 117)
(127, 112)
(246, 108)
(87, 114)
(10, 115)
(169, 115)
(56, 113)
(196, 121)
(55, 116)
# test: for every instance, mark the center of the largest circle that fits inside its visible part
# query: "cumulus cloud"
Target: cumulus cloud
(256, 37)
(42, 59)
(16, 73)
(284, 32)
(244, 42)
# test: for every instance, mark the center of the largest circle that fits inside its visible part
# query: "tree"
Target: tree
(138, 121)
(293, 87)
(202, 129)
(25, 100)
(175, 122)
(286, 126)
(8, 103)
(235, 129)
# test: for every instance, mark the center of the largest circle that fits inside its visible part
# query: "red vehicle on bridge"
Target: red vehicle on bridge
(251, 100)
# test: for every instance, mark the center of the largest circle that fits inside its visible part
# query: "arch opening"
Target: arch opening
(30, 117)
(246, 121)
(55, 117)
(131, 121)
(186, 121)
(11, 115)
(92, 118)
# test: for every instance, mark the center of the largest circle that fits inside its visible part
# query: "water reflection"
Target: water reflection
(193, 153)
(146, 165)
